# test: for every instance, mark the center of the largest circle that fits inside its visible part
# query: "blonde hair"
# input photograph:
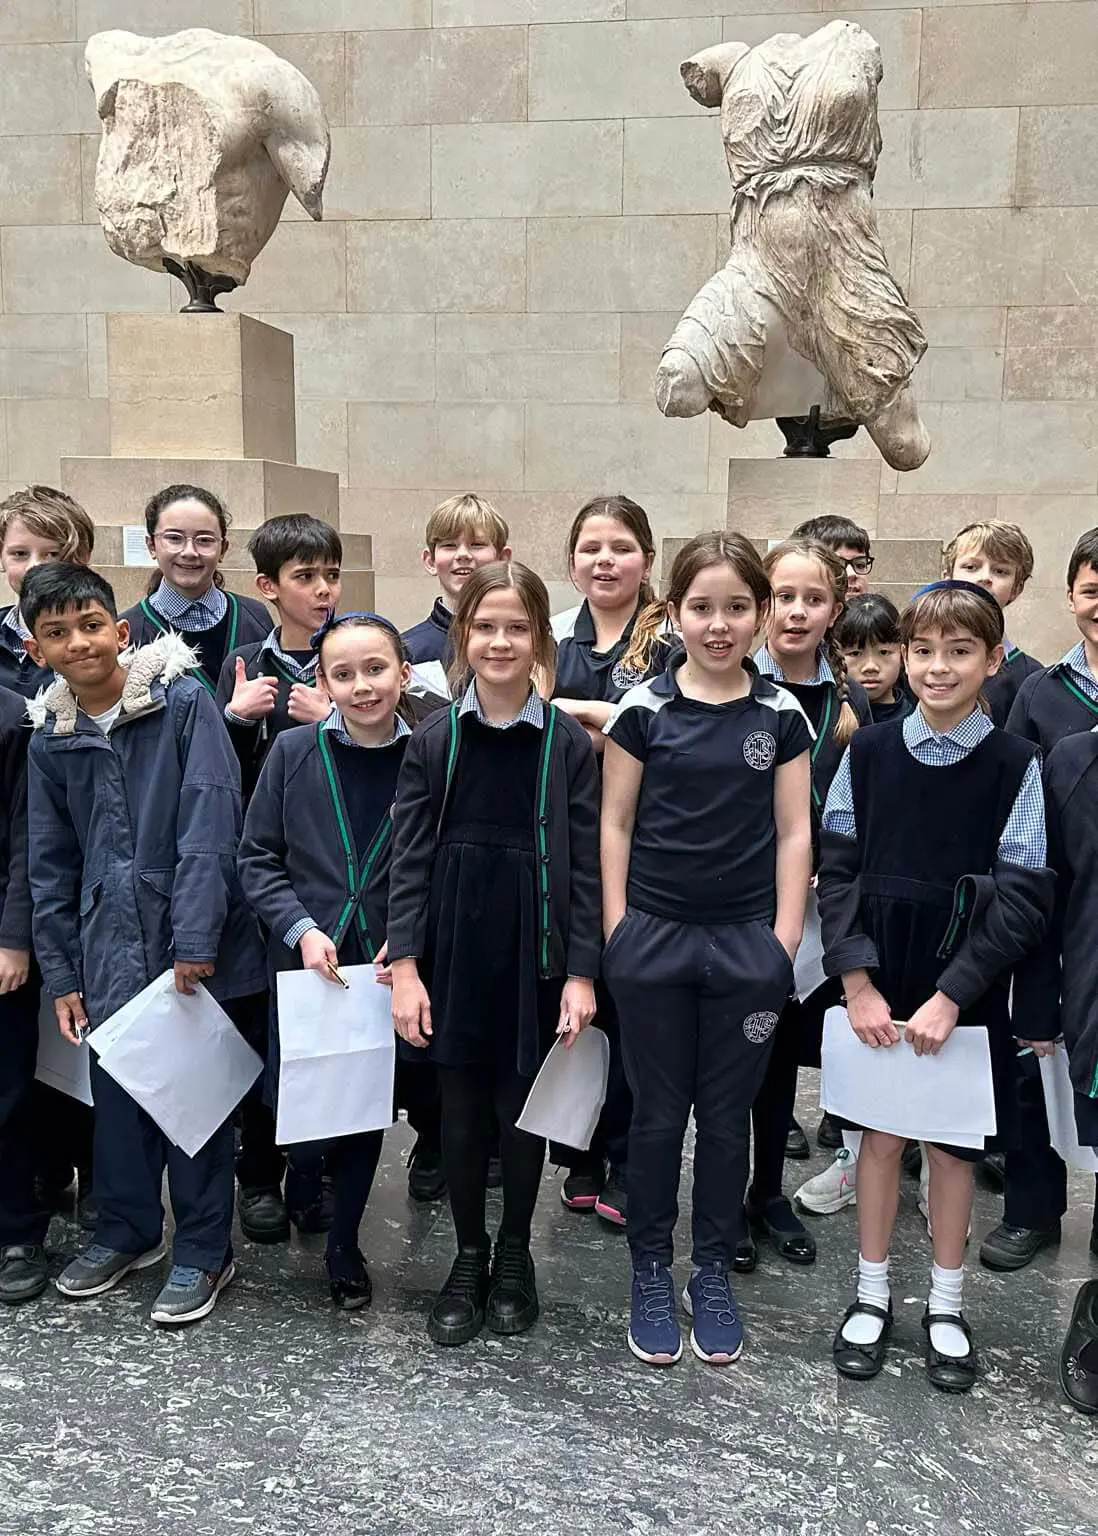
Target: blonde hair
(835, 573)
(952, 610)
(707, 549)
(51, 514)
(467, 513)
(504, 575)
(1004, 542)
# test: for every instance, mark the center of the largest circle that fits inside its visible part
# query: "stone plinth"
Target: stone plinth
(200, 386)
(768, 497)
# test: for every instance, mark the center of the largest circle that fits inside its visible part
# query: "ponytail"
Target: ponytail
(648, 631)
(847, 722)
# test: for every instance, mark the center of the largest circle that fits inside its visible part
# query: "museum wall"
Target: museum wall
(522, 199)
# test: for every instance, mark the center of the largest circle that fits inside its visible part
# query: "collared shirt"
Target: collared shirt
(766, 666)
(13, 620)
(304, 672)
(1076, 663)
(191, 614)
(531, 713)
(1023, 837)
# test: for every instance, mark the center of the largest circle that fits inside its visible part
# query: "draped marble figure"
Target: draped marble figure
(204, 135)
(806, 312)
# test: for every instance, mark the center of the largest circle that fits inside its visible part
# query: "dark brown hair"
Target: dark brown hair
(702, 552)
(167, 497)
(385, 627)
(502, 575)
(835, 573)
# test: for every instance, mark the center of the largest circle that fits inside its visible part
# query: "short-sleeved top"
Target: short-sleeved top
(704, 844)
(600, 676)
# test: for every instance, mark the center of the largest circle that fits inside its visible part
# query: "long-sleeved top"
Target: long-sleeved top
(17, 671)
(133, 839)
(1001, 690)
(213, 625)
(252, 739)
(1057, 701)
(427, 647)
(15, 904)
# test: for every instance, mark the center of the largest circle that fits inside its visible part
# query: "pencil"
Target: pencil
(334, 972)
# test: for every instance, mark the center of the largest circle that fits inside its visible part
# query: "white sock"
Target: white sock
(946, 1287)
(872, 1288)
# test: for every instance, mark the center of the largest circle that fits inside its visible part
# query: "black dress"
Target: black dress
(489, 1006)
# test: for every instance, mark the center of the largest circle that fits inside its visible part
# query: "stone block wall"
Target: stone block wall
(522, 199)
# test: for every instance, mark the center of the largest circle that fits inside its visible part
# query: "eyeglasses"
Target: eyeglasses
(861, 565)
(175, 543)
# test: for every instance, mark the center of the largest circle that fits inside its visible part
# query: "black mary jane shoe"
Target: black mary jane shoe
(1079, 1356)
(349, 1279)
(796, 1143)
(775, 1220)
(946, 1372)
(746, 1257)
(861, 1362)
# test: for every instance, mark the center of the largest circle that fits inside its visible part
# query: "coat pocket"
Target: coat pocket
(154, 896)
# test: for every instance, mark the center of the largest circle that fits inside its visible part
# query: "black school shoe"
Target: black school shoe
(512, 1296)
(775, 1220)
(263, 1217)
(426, 1179)
(796, 1143)
(943, 1371)
(1010, 1247)
(23, 1273)
(828, 1134)
(458, 1313)
(861, 1362)
(349, 1279)
(1079, 1356)
(746, 1256)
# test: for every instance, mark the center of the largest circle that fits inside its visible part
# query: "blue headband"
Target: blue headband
(334, 620)
(949, 585)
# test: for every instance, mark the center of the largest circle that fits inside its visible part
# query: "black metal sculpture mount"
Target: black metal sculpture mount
(202, 287)
(805, 438)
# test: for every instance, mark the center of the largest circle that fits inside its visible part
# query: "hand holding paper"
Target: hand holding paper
(567, 1098)
(338, 1056)
(71, 1018)
(930, 1026)
(869, 1014)
(188, 973)
(577, 1008)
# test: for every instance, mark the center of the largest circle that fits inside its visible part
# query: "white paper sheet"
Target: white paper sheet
(568, 1094)
(1060, 1104)
(808, 970)
(181, 1058)
(338, 1055)
(61, 1065)
(948, 1097)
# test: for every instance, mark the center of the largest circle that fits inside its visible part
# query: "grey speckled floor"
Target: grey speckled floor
(280, 1418)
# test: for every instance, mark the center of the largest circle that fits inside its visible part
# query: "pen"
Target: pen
(334, 973)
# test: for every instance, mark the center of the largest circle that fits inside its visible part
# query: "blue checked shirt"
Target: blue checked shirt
(766, 666)
(531, 713)
(181, 612)
(334, 723)
(1076, 663)
(1023, 838)
(13, 620)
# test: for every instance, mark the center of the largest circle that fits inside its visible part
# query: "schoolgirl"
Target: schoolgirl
(867, 633)
(603, 650)
(706, 859)
(186, 533)
(314, 862)
(932, 887)
(808, 582)
(494, 924)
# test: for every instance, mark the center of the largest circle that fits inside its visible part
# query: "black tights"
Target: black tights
(473, 1098)
(352, 1161)
(770, 1117)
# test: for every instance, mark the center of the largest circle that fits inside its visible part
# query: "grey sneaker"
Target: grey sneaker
(190, 1294)
(99, 1269)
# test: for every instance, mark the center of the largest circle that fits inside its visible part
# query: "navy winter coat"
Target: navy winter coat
(15, 906)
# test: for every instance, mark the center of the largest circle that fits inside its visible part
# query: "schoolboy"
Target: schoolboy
(997, 556)
(36, 524)
(23, 1217)
(849, 541)
(1058, 701)
(134, 808)
(463, 532)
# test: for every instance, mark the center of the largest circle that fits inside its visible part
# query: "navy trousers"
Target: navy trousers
(22, 1220)
(698, 1008)
(1036, 1179)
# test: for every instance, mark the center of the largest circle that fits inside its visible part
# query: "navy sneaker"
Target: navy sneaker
(717, 1334)
(653, 1327)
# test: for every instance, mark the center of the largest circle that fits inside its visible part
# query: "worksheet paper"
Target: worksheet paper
(568, 1094)
(61, 1065)
(338, 1055)
(181, 1058)
(948, 1097)
(1060, 1104)
(808, 969)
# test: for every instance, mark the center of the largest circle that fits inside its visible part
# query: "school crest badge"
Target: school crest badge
(760, 750)
(758, 1027)
(626, 677)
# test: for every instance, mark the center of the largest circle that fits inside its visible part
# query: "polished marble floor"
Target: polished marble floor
(278, 1417)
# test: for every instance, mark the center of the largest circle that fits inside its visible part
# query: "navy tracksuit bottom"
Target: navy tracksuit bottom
(1035, 1193)
(698, 1006)
(22, 1219)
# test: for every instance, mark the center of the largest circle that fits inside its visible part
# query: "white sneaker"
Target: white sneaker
(831, 1190)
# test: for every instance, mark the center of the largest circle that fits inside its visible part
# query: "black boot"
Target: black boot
(349, 1279)
(23, 1274)
(458, 1313)
(263, 1217)
(426, 1179)
(513, 1297)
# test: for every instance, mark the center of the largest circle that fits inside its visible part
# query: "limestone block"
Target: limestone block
(674, 165)
(621, 264)
(576, 447)
(363, 357)
(322, 435)
(424, 266)
(1053, 524)
(1016, 447)
(968, 327)
(42, 88)
(41, 431)
(905, 561)
(961, 373)
(520, 376)
(36, 21)
(115, 490)
(40, 179)
(628, 69)
(42, 373)
(978, 256)
(1052, 354)
(339, 15)
(412, 445)
(322, 59)
(1030, 55)
(528, 333)
(96, 329)
(1041, 623)
(446, 75)
(1058, 155)
(162, 16)
(377, 173)
(303, 269)
(767, 498)
(51, 270)
(962, 159)
(474, 13)
(507, 170)
(927, 516)
(388, 75)
(642, 342)
(201, 385)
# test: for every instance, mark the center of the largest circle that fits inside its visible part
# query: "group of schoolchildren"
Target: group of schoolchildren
(527, 823)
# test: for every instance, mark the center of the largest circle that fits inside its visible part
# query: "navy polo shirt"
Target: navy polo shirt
(704, 845)
(599, 676)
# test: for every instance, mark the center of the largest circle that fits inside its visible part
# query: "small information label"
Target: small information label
(134, 549)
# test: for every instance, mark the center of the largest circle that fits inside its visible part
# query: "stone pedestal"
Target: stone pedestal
(204, 400)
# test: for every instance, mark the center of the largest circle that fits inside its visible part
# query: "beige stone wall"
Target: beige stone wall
(523, 197)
